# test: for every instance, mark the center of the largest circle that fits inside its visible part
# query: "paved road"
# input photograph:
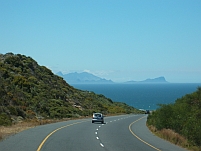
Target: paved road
(119, 133)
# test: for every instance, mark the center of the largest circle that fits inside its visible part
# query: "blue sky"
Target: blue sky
(120, 40)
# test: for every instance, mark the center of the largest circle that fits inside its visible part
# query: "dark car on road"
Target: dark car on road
(97, 117)
(147, 112)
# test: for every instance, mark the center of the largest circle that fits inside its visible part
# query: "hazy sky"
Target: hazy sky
(119, 40)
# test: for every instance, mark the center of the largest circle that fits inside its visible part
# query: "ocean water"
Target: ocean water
(142, 96)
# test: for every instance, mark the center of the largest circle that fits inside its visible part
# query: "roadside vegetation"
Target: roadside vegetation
(180, 122)
(30, 93)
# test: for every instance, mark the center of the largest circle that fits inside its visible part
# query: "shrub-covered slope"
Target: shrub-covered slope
(29, 90)
(184, 117)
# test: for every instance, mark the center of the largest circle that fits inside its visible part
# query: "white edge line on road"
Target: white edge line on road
(139, 137)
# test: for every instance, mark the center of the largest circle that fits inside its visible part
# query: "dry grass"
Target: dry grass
(174, 138)
(6, 131)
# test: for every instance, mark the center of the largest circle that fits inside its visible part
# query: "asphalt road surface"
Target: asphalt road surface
(118, 133)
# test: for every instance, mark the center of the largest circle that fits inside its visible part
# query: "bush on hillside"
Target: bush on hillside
(184, 117)
(5, 120)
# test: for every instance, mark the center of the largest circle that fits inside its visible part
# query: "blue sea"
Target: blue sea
(142, 96)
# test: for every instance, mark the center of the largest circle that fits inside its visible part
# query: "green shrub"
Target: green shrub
(12, 110)
(5, 120)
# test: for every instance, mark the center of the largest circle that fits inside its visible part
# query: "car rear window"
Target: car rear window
(97, 115)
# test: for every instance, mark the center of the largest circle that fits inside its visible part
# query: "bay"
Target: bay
(142, 96)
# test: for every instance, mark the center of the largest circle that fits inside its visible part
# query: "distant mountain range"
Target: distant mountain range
(88, 78)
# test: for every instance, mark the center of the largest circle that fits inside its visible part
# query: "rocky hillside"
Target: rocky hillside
(28, 90)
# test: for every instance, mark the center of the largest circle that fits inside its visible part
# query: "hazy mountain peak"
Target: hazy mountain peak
(149, 80)
(83, 78)
(60, 73)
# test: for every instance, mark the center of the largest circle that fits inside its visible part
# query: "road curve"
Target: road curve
(119, 133)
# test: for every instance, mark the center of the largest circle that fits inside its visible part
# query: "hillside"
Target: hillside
(183, 117)
(28, 90)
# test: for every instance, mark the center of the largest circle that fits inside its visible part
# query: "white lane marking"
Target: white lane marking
(104, 124)
(101, 144)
